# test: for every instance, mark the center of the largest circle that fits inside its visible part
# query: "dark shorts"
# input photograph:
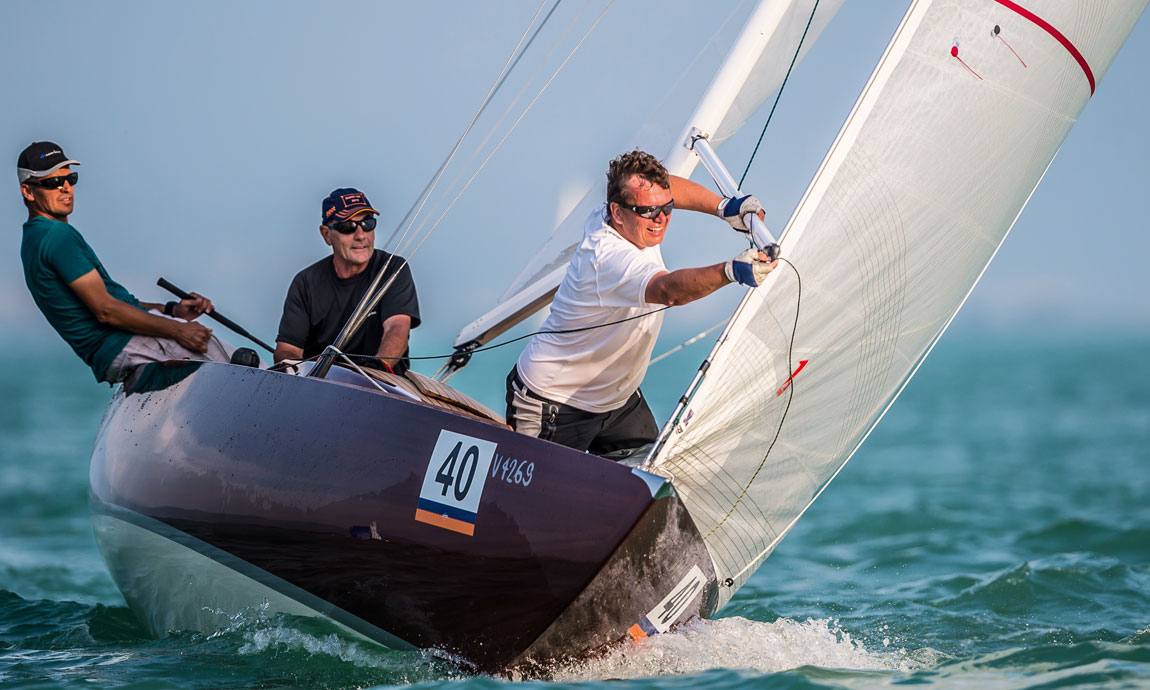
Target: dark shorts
(628, 427)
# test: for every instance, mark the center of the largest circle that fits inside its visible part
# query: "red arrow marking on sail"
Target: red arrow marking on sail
(802, 363)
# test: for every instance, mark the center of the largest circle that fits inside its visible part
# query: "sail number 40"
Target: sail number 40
(457, 474)
(453, 482)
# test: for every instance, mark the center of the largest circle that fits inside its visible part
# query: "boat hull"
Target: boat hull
(224, 488)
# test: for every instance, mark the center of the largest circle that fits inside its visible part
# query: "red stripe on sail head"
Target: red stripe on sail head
(1045, 26)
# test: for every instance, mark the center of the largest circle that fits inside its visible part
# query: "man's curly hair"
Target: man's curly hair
(637, 162)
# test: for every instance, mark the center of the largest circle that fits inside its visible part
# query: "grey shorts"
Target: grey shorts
(145, 349)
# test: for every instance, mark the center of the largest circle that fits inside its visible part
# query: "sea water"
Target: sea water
(993, 532)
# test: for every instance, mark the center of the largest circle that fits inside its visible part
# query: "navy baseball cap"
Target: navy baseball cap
(39, 159)
(344, 203)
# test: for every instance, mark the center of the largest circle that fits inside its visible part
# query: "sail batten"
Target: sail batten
(943, 149)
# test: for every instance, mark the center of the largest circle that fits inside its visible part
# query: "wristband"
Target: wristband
(170, 308)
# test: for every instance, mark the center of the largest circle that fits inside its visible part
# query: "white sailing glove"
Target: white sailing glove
(735, 209)
(748, 268)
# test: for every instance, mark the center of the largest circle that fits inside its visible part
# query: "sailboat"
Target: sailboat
(433, 525)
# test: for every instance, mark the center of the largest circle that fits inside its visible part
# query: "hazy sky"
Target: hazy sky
(210, 131)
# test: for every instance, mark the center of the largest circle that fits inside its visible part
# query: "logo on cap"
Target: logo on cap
(344, 203)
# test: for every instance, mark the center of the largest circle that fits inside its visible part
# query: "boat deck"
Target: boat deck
(440, 395)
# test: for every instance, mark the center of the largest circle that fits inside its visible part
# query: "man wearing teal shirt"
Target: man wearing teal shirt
(111, 330)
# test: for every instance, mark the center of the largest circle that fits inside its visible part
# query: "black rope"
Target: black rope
(515, 340)
(786, 409)
(780, 93)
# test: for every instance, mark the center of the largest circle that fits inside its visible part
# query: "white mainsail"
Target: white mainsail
(951, 135)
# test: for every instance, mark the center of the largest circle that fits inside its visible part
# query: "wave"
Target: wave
(1130, 544)
(67, 642)
(739, 643)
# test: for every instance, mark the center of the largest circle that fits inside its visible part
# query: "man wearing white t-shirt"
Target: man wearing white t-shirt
(577, 382)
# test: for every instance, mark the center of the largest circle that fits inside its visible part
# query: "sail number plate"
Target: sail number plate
(666, 612)
(453, 482)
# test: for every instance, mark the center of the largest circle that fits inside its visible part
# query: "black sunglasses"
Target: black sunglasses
(55, 182)
(650, 212)
(347, 227)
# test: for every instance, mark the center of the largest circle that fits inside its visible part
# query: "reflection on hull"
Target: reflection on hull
(171, 584)
(233, 488)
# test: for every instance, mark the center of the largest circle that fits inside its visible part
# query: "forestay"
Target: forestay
(951, 135)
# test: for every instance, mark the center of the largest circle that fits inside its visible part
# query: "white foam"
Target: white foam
(738, 643)
(726, 643)
(262, 633)
(262, 639)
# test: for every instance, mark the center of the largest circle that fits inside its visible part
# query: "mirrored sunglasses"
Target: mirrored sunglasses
(650, 212)
(347, 227)
(54, 182)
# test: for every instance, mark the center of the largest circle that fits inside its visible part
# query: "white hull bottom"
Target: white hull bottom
(172, 587)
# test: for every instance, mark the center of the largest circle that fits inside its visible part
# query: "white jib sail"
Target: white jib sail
(951, 135)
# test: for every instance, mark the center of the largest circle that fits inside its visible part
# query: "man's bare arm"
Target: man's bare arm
(286, 351)
(394, 341)
(689, 284)
(691, 196)
(187, 309)
(112, 312)
(685, 285)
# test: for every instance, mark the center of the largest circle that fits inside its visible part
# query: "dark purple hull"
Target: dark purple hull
(411, 525)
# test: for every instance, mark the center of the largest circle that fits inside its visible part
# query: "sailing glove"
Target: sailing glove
(748, 269)
(735, 209)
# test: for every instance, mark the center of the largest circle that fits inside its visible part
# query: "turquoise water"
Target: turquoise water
(993, 532)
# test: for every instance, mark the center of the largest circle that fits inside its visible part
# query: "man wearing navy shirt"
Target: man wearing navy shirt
(322, 296)
(107, 327)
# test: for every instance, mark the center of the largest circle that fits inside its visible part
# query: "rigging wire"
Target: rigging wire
(376, 295)
(688, 342)
(779, 95)
(515, 124)
(786, 409)
(375, 292)
(512, 60)
(523, 52)
(507, 111)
